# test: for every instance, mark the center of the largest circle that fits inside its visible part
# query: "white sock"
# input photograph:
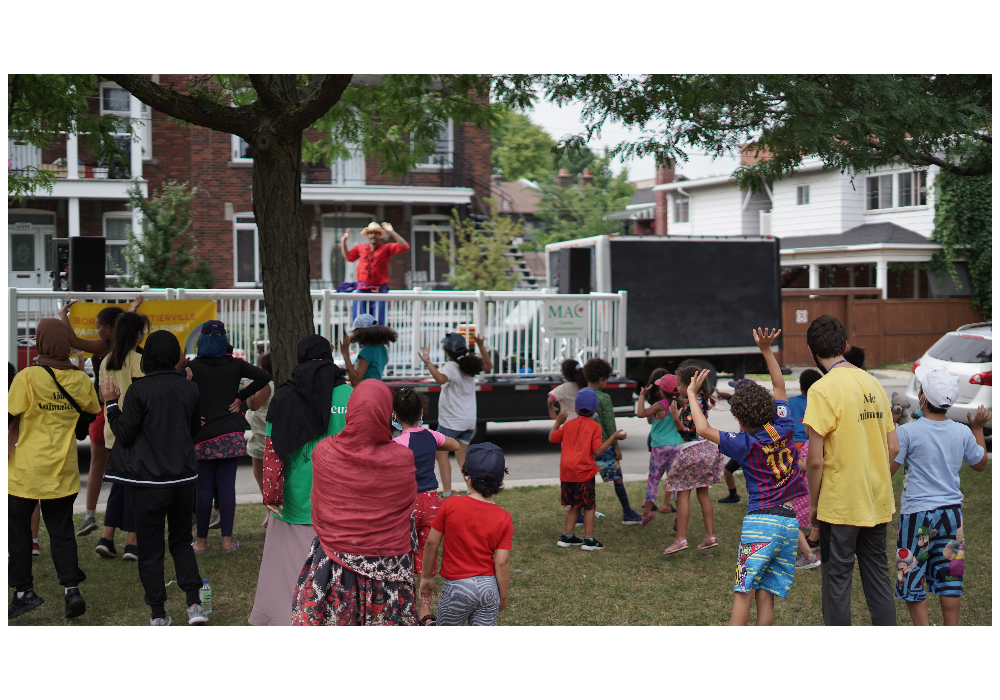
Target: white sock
(67, 590)
(21, 594)
(34, 540)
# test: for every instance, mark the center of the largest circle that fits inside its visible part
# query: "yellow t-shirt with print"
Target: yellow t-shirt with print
(44, 463)
(849, 408)
(123, 380)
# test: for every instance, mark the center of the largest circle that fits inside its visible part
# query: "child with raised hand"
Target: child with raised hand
(565, 394)
(665, 443)
(478, 536)
(597, 372)
(930, 544)
(374, 355)
(407, 415)
(581, 440)
(457, 404)
(764, 447)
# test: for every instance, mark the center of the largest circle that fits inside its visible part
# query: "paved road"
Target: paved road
(531, 459)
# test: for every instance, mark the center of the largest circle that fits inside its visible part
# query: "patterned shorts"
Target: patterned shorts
(578, 494)
(930, 548)
(469, 601)
(609, 467)
(426, 507)
(766, 555)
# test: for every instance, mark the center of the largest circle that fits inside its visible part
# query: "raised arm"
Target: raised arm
(354, 374)
(700, 421)
(653, 410)
(395, 236)
(977, 422)
(764, 338)
(343, 244)
(487, 362)
(425, 355)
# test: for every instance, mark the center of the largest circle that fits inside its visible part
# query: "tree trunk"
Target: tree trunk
(284, 246)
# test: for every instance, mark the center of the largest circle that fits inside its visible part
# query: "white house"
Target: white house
(827, 221)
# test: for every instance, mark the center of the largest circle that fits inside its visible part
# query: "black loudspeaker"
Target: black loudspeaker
(86, 264)
(574, 270)
(60, 264)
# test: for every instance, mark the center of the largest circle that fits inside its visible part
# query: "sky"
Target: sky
(559, 121)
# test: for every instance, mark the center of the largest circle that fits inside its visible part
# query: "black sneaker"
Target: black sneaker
(569, 541)
(75, 605)
(106, 548)
(731, 498)
(131, 553)
(26, 603)
(591, 544)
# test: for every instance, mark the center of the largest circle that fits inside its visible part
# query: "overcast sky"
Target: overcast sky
(559, 121)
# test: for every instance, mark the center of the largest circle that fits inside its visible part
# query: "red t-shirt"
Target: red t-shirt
(473, 530)
(580, 438)
(374, 266)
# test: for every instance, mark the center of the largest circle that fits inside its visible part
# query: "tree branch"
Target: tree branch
(231, 120)
(964, 170)
(316, 99)
(264, 92)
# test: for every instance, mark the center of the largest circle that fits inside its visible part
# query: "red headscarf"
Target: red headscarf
(364, 484)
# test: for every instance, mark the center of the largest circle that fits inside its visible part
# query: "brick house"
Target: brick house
(348, 194)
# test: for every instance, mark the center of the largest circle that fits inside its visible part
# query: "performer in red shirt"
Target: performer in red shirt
(373, 266)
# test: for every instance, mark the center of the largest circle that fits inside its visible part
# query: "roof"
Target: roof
(526, 198)
(643, 196)
(866, 234)
(808, 165)
(641, 212)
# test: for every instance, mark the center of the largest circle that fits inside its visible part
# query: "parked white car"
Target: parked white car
(967, 354)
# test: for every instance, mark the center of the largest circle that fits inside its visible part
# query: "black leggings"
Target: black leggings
(216, 476)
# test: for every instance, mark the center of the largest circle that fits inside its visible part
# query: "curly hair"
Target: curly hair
(572, 371)
(752, 405)
(826, 337)
(597, 369)
(376, 335)
(470, 364)
(408, 405)
(686, 372)
(485, 484)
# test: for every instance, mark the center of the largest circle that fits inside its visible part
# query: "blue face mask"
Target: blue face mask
(397, 426)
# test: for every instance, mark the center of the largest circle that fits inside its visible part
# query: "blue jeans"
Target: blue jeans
(375, 308)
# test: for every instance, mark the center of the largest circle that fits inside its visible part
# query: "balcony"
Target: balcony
(92, 180)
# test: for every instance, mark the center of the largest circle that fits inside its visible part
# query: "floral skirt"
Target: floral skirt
(699, 465)
(329, 593)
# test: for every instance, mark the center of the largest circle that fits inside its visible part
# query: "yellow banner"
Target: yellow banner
(182, 317)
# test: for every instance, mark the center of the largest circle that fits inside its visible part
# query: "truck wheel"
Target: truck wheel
(480, 434)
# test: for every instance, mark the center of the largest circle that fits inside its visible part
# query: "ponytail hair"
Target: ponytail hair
(471, 364)
(573, 371)
(408, 405)
(127, 327)
(655, 394)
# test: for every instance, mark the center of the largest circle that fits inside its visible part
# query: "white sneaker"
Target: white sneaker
(160, 621)
(197, 614)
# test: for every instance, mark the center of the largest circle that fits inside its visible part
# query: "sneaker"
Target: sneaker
(88, 525)
(802, 563)
(36, 551)
(106, 548)
(731, 498)
(598, 515)
(160, 621)
(26, 603)
(632, 518)
(216, 522)
(131, 553)
(591, 544)
(75, 605)
(569, 541)
(197, 614)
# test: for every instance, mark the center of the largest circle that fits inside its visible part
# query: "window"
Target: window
(246, 256)
(115, 100)
(349, 172)
(911, 190)
(116, 225)
(802, 194)
(242, 151)
(682, 207)
(444, 147)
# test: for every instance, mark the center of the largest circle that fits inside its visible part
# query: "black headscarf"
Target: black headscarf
(300, 409)
(162, 351)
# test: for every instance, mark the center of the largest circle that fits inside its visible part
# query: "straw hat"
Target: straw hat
(373, 226)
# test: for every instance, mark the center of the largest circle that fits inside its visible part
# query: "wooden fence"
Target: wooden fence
(890, 330)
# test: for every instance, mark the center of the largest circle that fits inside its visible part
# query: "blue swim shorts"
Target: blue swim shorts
(766, 556)
(930, 548)
(609, 467)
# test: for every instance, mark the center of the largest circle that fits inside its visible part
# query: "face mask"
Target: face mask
(396, 425)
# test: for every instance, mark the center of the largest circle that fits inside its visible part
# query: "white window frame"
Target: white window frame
(678, 199)
(235, 150)
(802, 193)
(919, 179)
(339, 168)
(246, 226)
(431, 164)
(428, 223)
(116, 243)
(145, 129)
(880, 178)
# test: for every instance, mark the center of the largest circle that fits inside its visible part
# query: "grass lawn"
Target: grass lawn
(630, 582)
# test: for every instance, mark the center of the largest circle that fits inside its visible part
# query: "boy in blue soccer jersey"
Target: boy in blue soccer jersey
(765, 449)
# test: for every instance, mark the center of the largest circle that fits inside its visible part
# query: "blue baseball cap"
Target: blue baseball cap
(213, 328)
(586, 402)
(362, 321)
(485, 459)
(740, 382)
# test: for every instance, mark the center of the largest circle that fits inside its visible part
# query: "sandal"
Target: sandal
(676, 547)
(204, 551)
(709, 542)
(668, 509)
(425, 618)
(648, 517)
(230, 551)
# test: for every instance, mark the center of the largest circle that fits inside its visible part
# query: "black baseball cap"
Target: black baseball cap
(456, 344)
(485, 459)
(213, 327)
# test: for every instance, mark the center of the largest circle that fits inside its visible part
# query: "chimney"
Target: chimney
(496, 179)
(748, 156)
(563, 179)
(664, 174)
(585, 178)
